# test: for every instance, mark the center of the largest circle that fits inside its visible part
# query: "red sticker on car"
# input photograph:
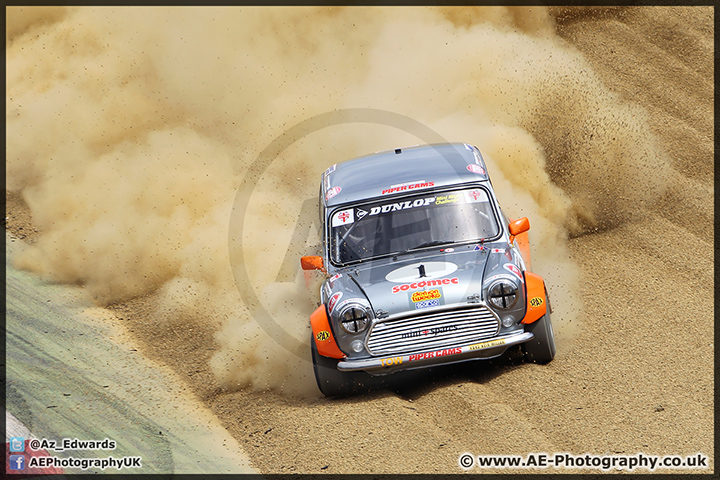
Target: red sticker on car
(408, 186)
(333, 301)
(476, 169)
(332, 192)
(435, 354)
(424, 283)
(514, 269)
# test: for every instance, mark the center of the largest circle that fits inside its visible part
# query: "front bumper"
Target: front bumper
(492, 347)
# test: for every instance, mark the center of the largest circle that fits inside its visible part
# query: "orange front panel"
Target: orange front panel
(536, 300)
(322, 334)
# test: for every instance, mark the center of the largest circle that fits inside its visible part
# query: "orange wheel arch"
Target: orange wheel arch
(322, 334)
(535, 297)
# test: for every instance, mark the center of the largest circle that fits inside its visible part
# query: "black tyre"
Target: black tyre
(331, 381)
(541, 348)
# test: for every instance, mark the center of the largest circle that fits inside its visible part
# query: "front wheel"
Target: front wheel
(331, 381)
(541, 348)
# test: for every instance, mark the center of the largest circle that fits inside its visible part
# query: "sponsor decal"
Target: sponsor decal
(360, 213)
(323, 336)
(449, 198)
(514, 269)
(447, 250)
(476, 169)
(425, 295)
(435, 354)
(475, 196)
(427, 304)
(343, 217)
(429, 332)
(536, 302)
(387, 362)
(478, 156)
(356, 300)
(332, 192)
(394, 207)
(504, 276)
(498, 250)
(333, 301)
(330, 169)
(476, 153)
(488, 344)
(332, 279)
(479, 247)
(411, 272)
(424, 283)
(408, 186)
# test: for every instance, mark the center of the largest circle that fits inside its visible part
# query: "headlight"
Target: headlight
(354, 318)
(502, 294)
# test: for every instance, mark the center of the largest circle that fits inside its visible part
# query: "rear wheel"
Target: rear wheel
(541, 348)
(331, 381)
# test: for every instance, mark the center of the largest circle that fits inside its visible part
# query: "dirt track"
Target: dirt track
(638, 377)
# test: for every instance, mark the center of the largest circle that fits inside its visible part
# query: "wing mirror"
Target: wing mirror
(312, 262)
(517, 227)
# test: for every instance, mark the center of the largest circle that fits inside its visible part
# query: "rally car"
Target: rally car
(422, 268)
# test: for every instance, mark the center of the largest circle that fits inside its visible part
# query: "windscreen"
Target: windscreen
(389, 227)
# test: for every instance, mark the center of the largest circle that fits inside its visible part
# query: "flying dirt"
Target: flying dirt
(130, 131)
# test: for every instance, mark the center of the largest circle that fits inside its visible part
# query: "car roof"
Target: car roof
(401, 171)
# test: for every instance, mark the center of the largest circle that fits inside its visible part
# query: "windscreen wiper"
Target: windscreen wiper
(422, 245)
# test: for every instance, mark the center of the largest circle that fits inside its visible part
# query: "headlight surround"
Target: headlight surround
(354, 318)
(502, 294)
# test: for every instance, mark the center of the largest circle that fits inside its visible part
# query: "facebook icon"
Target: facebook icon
(17, 462)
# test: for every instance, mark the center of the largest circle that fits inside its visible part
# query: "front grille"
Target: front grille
(429, 331)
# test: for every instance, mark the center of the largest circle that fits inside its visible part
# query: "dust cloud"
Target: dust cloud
(130, 129)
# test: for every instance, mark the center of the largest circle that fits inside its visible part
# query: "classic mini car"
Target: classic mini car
(423, 268)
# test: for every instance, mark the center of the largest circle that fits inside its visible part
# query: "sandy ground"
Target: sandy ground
(638, 377)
